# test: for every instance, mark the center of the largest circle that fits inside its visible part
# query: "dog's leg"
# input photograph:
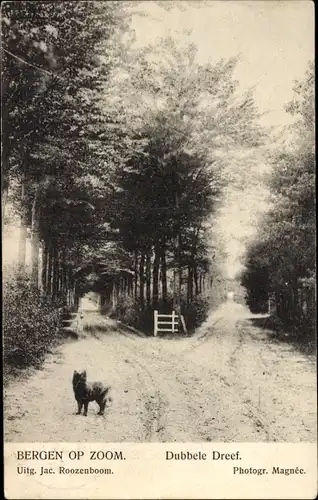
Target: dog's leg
(85, 408)
(102, 405)
(80, 405)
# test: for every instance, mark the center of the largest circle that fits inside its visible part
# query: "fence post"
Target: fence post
(183, 324)
(173, 316)
(155, 323)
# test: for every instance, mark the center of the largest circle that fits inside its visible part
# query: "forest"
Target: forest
(115, 161)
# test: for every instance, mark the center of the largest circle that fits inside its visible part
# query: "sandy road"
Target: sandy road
(228, 383)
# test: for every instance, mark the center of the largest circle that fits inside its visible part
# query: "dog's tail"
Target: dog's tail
(109, 396)
(106, 395)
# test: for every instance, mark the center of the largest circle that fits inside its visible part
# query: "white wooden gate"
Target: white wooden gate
(165, 322)
(168, 323)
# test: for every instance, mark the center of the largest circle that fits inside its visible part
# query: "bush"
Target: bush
(31, 324)
(131, 313)
(195, 313)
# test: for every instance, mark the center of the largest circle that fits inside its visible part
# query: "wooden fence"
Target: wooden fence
(168, 323)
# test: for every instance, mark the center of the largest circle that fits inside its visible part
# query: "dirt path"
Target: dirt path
(227, 383)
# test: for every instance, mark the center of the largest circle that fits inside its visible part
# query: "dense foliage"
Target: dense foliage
(31, 324)
(281, 262)
(56, 63)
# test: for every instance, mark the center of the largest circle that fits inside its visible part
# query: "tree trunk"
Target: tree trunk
(190, 284)
(63, 277)
(177, 258)
(136, 276)
(35, 241)
(301, 304)
(55, 273)
(61, 280)
(23, 226)
(142, 280)
(177, 276)
(102, 299)
(44, 275)
(283, 306)
(148, 277)
(277, 302)
(4, 196)
(155, 285)
(50, 271)
(178, 309)
(130, 285)
(195, 276)
(200, 283)
(114, 296)
(71, 291)
(123, 286)
(164, 274)
(65, 283)
(295, 304)
(4, 151)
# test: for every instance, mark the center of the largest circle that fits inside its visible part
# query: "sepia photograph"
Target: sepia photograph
(158, 223)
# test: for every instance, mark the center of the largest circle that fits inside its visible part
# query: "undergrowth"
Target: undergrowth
(31, 324)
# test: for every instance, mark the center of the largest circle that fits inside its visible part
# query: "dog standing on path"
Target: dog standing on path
(86, 392)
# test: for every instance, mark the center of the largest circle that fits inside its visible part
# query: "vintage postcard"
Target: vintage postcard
(158, 231)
